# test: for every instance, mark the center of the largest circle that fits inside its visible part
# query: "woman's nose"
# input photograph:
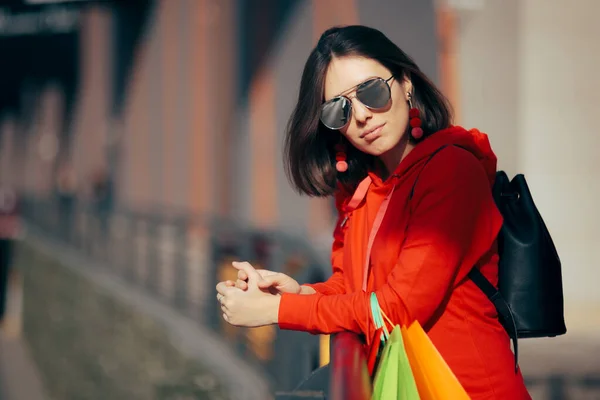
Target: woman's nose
(361, 112)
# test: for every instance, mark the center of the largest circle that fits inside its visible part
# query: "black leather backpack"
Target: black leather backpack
(529, 298)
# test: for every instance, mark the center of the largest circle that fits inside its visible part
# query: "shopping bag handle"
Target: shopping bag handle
(379, 317)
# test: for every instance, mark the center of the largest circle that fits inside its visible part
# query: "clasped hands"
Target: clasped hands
(253, 300)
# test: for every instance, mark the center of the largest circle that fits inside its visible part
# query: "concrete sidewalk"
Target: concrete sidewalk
(19, 379)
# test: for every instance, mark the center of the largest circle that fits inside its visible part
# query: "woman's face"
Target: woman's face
(374, 132)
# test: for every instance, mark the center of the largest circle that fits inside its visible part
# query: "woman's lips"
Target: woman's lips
(373, 134)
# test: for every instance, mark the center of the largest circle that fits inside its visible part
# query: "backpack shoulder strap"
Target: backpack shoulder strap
(501, 305)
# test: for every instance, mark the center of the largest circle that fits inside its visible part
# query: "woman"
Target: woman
(416, 212)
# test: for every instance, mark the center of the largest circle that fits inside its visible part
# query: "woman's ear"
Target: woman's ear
(407, 87)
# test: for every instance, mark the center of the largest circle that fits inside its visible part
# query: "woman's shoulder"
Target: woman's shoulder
(454, 161)
(453, 168)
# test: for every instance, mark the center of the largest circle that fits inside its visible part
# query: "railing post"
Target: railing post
(349, 375)
(180, 297)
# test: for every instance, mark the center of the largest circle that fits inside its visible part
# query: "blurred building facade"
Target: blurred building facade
(185, 102)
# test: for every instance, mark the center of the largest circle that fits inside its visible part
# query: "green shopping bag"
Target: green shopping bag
(394, 379)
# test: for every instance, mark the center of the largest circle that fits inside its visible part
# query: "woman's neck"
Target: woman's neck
(391, 159)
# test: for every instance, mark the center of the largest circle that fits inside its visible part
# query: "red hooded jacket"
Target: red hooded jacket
(416, 259)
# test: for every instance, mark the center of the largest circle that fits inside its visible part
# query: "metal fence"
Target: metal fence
(178, 258)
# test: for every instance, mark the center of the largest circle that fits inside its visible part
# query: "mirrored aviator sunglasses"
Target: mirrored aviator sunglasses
(374, 94)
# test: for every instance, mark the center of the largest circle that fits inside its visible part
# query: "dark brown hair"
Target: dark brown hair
(309, 156)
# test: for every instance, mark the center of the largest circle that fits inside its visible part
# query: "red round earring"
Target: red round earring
(340, 158)
(415, 121)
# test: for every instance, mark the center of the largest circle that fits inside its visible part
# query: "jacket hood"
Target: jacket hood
(472, 140)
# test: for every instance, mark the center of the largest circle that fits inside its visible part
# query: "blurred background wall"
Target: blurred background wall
(181, 106)
(185, 102)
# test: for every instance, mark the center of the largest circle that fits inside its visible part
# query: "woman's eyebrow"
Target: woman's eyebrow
(355, 86)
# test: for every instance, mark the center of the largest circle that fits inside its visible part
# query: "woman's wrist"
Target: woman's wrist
(307, 290)
(274, 312)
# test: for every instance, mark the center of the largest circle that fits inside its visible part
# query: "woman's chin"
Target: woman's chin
(377, 148)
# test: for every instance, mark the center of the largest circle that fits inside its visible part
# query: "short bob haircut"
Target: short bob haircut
(309, 156)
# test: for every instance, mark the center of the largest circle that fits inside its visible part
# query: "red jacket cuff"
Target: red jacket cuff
(295, 311)
(320, 287)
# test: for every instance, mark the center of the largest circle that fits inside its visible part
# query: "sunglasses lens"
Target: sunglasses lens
(374, 93)
(335, 113)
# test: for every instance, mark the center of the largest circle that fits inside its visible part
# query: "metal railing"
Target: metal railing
(349, 375)
(345, 378)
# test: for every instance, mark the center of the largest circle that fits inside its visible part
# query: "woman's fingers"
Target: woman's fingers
(241, 284)
(242, 275)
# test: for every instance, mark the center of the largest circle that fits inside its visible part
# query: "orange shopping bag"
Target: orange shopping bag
(434, 379)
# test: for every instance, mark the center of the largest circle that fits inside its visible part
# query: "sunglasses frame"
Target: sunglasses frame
(349, 99)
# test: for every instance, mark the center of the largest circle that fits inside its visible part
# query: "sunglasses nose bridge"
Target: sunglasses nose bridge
(360, 111)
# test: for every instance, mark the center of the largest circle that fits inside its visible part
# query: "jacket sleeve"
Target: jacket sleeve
(454, 222)
(335, 283)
